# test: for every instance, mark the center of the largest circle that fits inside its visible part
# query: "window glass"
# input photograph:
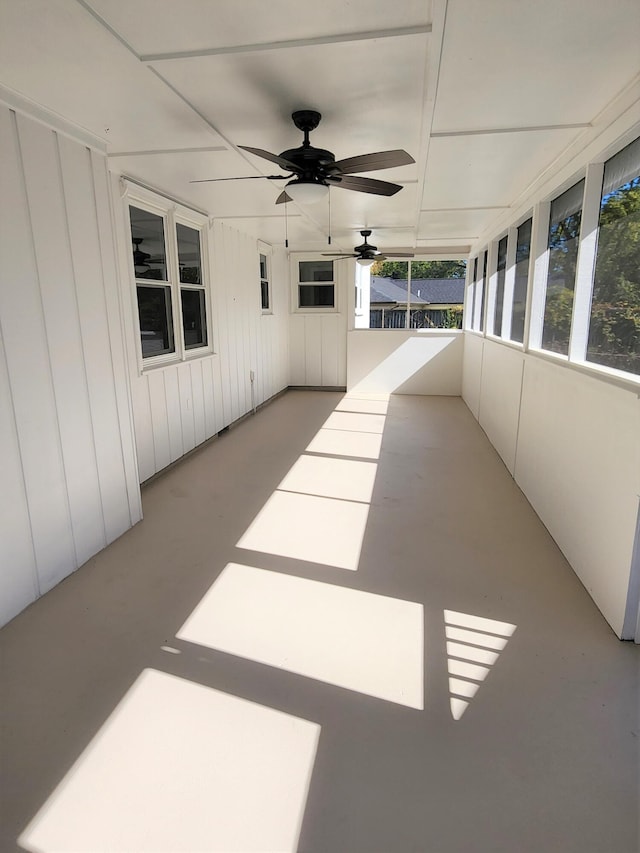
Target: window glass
(316, 296)
(564, 236)
(316, 288)
(433, 299)
(189, 254)
(156, 327)
(481, 291)
(472, 295)
(264, 283)
(316, 271)
(614, 329)
(147, 237)
(193, 318)
(500, 277)
(523, 253)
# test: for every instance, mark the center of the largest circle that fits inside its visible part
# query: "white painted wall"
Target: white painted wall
(178, 406)
(69, 484)
(318, 339)
(572, 442)
(395, 361)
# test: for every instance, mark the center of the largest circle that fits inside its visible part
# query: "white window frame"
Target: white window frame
(592, 173)
(510, 281)
(264, 249)
(295, 287)
(172, 215)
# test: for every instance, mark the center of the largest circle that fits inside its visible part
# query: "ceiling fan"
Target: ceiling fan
(313, 170)
(143, 261)
(366, 254)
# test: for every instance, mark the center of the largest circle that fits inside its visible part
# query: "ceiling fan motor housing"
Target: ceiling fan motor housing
(366, 250)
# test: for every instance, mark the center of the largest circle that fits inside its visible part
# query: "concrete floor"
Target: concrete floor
(132, 723)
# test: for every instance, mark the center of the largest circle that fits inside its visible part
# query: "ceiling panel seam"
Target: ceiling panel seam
(199, 150)
(430, 93)
(107, 27)
(442, 134)
(313, 41)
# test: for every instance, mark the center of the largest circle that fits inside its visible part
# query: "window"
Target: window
(471, 305)
(501, 272)
(614, 328)
(523, 253)
(192, 297)
(265, 296)
(480, 293)
(316, 287)
(564, 236)
(417, 294)
(170, 284)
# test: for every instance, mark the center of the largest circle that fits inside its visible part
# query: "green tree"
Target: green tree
(614, 332)
(420, 269)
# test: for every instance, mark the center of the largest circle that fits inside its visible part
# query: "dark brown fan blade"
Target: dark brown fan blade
(364, 185)
(266, 155)
(327, 255)
(243, 178)
(283, 197)
(371, 162)
(398, 255)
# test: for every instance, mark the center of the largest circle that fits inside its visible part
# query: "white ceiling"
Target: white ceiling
(485, 95)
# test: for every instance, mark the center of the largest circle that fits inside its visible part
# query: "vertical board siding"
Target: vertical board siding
(29, 370)
(18, 579)
(197, 391)
(186, 407)
(204, 395)
(58, 292)
(57, 385)
(159, 421)
(174, 417)
(123, 506)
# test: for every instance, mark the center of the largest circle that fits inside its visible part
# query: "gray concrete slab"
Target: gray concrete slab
(544, 757)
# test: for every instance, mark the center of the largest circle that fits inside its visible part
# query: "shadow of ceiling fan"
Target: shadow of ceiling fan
(366, 253)
(311, 171)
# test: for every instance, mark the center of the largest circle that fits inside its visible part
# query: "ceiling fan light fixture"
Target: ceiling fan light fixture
(306, 192)
(365, 262)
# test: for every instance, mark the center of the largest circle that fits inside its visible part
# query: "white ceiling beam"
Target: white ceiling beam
(457, 209)
(429, 95)
(447, 134)
(204, 148)
(284, 45)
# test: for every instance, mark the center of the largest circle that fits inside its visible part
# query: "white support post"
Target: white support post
(490, 288)
(585, 264)
(538, 269)
(469, 294)
(408, 320)
(509, 284)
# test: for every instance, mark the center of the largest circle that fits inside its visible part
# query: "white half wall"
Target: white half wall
(69, 480)
(572, 442)
(178, 406)
(394, 361)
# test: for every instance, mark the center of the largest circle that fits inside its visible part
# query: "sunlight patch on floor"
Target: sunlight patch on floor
(181, 767)
(363, 405)
(355, 422)
(347, 479)
(367, 643)
(310, 528)
(334, 442)
(474, 644)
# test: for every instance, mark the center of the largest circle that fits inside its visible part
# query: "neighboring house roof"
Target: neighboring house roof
(424, 291)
